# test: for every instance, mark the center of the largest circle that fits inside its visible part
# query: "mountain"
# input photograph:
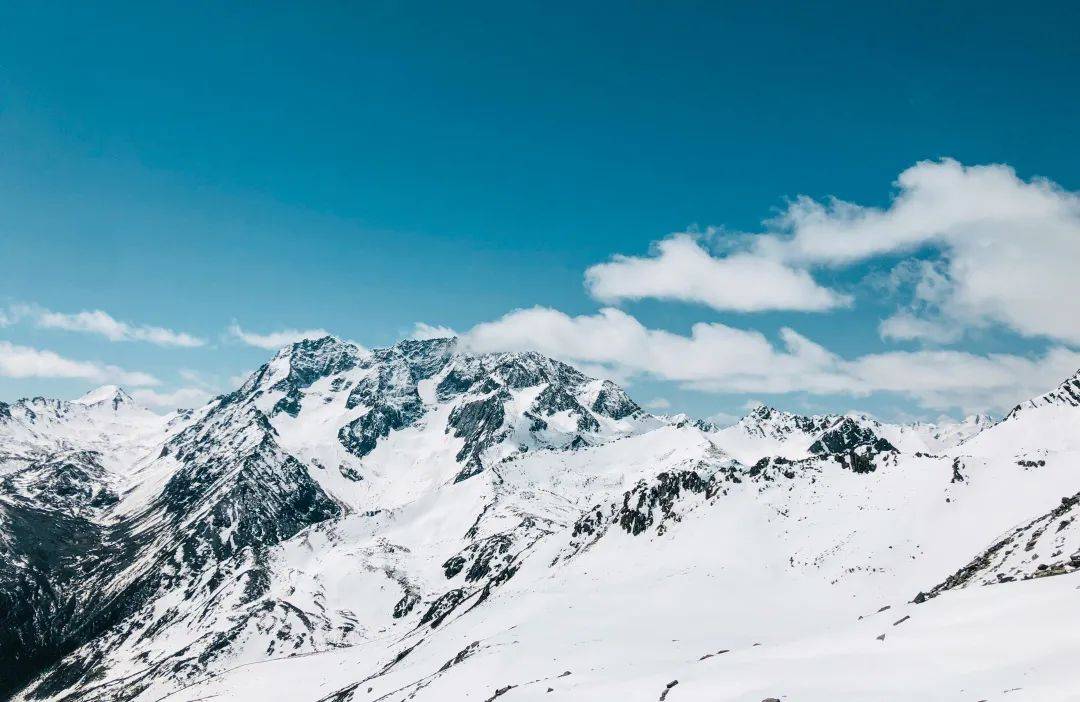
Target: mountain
(1066, 395)
(767, 431)
(422, 522)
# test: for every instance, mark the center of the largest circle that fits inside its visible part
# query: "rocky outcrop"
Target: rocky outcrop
(847, 437)
(1048, 545)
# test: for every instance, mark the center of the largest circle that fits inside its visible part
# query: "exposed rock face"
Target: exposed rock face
(765, 421)
(390, 391)
(1048, 545)
(46, 557)
(613, 402)
(73, 482)
(846, 437)
(307, 361)
(480, 424)
(647, 504)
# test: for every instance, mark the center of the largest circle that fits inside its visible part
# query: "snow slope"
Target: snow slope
(421, 523)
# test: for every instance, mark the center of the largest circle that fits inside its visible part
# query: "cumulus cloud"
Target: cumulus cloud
(1008, 247)
(422, 331)
(274, 340)
(681, 269)
(26, 362)
(907, 326)
(994, 249)
(180, 397)
(719, 358)
(658, 404)
(974, 383)
(711, 354)
(104, 324)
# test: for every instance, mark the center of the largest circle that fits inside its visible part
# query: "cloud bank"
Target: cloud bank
(26, 362)
(1007, 247)
(718, 358)
(682, 270)
(422, 331)
(101, 323)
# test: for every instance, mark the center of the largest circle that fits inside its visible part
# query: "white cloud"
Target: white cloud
(907, 326)
(723, 419)
(180, 397)
(658, 404)
(1003, 251)
(274, 340)
(25, 362)
(613, 338)
(682, 270)
(193, 376)
(718, 358)
(103, 324)
(423, 331)
(1008, 246)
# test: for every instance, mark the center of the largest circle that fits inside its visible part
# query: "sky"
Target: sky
(824, 208)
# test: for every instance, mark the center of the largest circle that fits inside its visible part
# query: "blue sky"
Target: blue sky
(361, 169)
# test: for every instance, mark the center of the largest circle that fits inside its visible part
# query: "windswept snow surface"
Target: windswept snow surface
(421, 523)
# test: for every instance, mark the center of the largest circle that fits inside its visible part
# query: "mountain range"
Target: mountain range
(424, 523)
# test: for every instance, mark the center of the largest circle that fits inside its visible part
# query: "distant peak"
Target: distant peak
(106, 394)
(438, 344)
(313, 344)
(765, 412)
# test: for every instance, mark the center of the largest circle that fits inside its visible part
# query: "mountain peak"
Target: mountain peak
(1067, 394)
(764, 411)
(106, 394)
(315, 345)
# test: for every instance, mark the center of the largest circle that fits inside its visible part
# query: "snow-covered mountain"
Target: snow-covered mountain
(420, 522)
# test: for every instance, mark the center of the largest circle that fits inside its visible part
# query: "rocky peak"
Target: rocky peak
(847, 436)
(425, 357)
(612, 401)
(765, 421)
(486, 373)
(311, 359)
(1065, 395)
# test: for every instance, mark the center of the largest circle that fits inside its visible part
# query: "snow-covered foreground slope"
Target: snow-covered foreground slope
(421, 523)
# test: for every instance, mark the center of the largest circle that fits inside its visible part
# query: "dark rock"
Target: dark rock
(613, 402)
(406, 604)
(846, 437)
(645, 503)
(957, 476)
(480, 423)
(441, 608)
